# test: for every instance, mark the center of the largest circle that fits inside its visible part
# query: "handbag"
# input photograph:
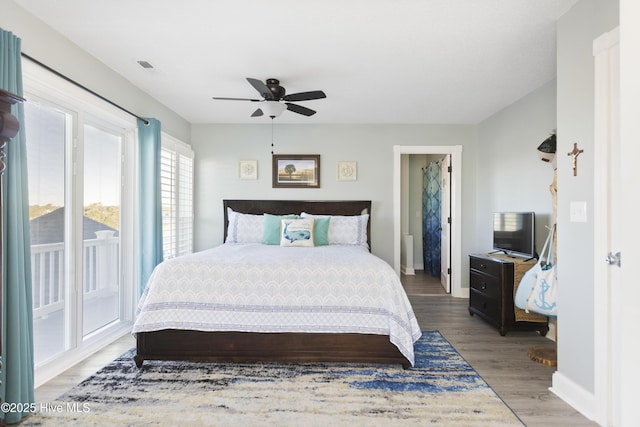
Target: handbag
(526, 285)
(538, 287)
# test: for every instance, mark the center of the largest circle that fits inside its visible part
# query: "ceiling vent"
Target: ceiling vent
(145, 64)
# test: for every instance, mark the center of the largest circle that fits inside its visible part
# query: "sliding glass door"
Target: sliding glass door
(49, 133)
(76, 177)
(101, 228)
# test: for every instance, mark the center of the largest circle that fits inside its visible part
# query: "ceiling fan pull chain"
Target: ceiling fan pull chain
(272, 136)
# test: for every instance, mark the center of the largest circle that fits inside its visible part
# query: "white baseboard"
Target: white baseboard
(461, 293)
(577, 397)
(407, 271)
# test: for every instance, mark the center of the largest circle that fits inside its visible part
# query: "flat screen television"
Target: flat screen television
(514, 233)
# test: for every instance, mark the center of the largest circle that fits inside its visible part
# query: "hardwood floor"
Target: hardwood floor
(502, 361)
(50, 390)
(422, 284)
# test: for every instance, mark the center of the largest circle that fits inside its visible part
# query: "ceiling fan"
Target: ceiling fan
(272, 96)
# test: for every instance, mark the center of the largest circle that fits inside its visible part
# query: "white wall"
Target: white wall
(52, 49)
(218, 149)
(414, 208)
(577, 29)
(510, 175)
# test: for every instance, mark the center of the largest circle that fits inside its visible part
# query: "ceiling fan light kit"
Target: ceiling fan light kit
(272, 96)
(271, 108)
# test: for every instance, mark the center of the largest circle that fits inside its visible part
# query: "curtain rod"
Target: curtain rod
(81, 86)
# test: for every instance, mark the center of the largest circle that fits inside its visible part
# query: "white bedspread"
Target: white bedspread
(263, 288)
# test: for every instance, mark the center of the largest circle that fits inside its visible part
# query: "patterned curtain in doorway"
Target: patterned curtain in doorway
(431, 228)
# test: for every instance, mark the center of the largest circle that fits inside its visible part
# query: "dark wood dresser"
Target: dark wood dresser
(491, 282)
(9, 127)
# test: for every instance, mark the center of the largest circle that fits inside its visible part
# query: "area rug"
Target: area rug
(442, 389)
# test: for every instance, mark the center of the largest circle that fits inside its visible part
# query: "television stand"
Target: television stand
(493, 281)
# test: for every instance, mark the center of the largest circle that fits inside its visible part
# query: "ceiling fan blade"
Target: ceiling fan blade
(305, 96)
(236, 99)
(300, 109)
(257, 113)
(262, 88)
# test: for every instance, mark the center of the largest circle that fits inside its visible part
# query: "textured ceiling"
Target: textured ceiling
(378, 61)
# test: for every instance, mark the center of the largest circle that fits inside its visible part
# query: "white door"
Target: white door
(607, 231)
(445, 218)
(627, 408)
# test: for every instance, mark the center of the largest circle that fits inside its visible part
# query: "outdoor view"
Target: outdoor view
(107, 215)
(48, 145)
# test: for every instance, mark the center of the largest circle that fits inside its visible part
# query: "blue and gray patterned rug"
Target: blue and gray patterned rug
(443, 389)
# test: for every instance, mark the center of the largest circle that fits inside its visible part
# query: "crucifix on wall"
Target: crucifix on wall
(574, 157)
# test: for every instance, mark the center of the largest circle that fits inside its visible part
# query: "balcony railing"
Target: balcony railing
(100, 272)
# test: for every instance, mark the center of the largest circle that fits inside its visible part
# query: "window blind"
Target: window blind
(176, 186)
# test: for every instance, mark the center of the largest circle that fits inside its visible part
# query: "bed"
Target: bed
(278, 304)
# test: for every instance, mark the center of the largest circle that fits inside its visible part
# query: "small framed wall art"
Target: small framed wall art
(296, 171)
(248, 169)
(347, 171)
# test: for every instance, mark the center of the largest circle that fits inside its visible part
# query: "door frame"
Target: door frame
(42, 85)
(629, 131)
(606, 344)
(456, 207)
(445, 224)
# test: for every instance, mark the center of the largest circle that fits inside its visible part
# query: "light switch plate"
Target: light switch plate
(578, 212)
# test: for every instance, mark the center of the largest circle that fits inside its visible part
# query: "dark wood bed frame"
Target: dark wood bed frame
(172, 344)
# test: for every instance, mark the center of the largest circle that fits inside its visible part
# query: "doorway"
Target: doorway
(426, 193)
(401, 209)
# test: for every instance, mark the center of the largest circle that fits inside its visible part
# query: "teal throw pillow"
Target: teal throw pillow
(321, 231)
(271, 234)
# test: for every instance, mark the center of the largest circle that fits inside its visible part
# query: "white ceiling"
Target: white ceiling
(378, 61)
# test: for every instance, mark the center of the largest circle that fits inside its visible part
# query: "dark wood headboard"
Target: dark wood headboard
(283, 207)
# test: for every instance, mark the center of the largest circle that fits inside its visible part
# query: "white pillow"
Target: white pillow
(296, 232)
(244, 228)
(345, 230)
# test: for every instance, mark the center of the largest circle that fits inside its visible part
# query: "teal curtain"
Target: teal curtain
(150, 212)
(17, 318)
(431, 227)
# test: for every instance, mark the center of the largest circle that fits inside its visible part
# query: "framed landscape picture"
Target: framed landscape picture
(296, 171)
